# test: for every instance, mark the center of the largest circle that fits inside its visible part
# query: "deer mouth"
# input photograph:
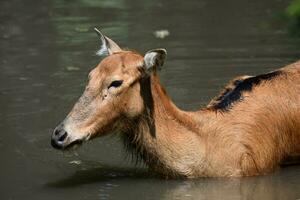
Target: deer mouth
(63, 139)
(76, 143)
(72, 145)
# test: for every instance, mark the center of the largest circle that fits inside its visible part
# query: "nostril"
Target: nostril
(56, 132)
(63, 136)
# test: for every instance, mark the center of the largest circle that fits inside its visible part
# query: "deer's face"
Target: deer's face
(111, 95)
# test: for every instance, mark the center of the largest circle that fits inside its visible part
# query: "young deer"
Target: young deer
(249, 129)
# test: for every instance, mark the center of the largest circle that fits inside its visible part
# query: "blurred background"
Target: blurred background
(47, 49)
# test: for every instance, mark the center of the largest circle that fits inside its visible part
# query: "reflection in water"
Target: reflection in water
(100, 174)
(115, 182)
(278, 186)
(47, 50)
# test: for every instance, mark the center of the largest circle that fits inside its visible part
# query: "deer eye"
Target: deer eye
(115, 84)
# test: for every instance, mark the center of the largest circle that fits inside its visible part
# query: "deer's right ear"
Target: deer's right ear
(108, 46)
(154, 59)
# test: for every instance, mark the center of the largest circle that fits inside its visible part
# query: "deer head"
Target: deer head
(112, 94)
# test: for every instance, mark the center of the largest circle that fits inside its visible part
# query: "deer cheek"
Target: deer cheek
(133, 108)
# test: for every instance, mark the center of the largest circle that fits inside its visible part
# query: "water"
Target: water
(47, 49)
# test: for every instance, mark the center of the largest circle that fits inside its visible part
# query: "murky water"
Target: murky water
(47, 49)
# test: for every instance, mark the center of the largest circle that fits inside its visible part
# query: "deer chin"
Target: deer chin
(73, 145)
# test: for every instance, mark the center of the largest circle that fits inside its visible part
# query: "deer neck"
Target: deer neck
(166, 138)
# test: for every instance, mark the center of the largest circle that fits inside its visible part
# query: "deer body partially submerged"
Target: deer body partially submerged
(249, 129)
(252, 137)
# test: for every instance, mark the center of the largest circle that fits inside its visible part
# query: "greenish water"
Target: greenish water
(47, 49)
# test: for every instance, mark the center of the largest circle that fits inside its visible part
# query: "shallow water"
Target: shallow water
(47, 49)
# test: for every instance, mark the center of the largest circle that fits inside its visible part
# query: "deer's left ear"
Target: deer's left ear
(154, 59)
(108, 46)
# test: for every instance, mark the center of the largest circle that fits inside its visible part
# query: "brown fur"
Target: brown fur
(253, 137)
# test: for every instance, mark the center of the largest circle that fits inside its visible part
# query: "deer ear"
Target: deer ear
(155, 59)
(108, 46)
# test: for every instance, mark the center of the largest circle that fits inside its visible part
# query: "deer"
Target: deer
(249, 129)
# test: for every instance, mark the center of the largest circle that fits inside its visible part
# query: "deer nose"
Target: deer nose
(59, 136)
